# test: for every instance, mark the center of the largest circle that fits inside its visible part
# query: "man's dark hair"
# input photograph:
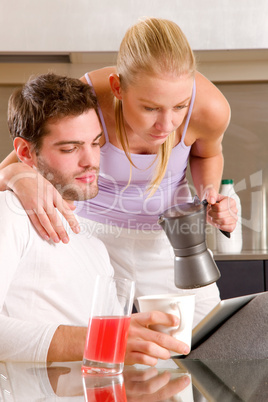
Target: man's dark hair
(44, 99)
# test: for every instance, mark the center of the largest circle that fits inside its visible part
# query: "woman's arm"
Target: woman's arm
(39, 199)
(210, 121)
(11, 158)
(6, 174)
(206, 173)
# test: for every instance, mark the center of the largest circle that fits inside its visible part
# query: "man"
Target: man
(45, 287)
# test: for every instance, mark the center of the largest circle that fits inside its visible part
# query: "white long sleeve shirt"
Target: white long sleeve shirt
(42, 284)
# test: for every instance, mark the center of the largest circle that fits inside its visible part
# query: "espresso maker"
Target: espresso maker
(184, 225)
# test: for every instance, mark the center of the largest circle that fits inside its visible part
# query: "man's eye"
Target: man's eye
(96, 144)
(150, 109)
(67, 151)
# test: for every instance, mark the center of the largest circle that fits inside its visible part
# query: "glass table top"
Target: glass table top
(183, 380)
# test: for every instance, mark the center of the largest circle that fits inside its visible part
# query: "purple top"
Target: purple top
(129, 207)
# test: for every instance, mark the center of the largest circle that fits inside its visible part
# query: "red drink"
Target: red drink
(106, 339)
(111, 393)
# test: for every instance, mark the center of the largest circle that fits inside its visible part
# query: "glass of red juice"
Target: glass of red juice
(108, 325)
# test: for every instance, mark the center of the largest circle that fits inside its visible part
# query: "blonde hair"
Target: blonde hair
(153, 46)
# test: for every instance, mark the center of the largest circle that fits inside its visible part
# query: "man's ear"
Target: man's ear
(115, 85)
(24, 151)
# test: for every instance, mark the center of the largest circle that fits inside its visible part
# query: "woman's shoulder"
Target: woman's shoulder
(100, 78)
(101, 85)
(211, 108)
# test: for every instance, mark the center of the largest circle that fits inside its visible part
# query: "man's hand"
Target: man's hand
(146, 346)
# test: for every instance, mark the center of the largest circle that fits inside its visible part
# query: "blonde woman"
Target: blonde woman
(158, 113)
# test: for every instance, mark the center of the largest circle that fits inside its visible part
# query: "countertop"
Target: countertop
(243, 255)
(173, 380)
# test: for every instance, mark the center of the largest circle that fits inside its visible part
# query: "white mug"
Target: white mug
(182, 306)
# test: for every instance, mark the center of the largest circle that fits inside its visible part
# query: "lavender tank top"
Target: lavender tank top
(129, 206)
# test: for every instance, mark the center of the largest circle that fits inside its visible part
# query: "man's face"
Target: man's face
(70, 154)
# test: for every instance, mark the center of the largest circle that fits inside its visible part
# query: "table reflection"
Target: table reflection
(154, 384)
(228, 380)
(64, 381)
(184, 380)
(99, 388)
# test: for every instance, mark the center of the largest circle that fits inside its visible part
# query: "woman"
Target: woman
(157, 113)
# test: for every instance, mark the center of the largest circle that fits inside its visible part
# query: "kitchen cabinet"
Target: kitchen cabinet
(241, 277)
(266, 274)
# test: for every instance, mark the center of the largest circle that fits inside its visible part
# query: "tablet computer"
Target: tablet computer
(221, 312)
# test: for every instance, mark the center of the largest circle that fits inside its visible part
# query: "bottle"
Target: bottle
(235, 242)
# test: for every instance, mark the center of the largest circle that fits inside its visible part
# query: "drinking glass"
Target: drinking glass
(109, 321)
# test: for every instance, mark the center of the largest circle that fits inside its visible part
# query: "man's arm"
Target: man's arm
(67, 344)
(144, 345)
(22, 340)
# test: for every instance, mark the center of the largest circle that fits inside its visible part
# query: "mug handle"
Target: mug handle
(176, 306)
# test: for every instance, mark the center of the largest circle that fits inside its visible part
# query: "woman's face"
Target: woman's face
(156, 105)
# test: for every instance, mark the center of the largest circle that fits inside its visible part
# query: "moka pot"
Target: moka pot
(184, 225)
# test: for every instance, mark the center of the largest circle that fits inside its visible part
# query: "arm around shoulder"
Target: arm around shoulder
(7, 168)
(11, 158)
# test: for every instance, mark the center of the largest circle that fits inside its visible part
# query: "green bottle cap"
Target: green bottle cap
(227, 181)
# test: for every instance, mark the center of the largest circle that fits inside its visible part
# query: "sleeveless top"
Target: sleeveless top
(129, 206)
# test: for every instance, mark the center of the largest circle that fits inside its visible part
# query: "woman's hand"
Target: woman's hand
(146, 346)
(40, 199)
(221, 211)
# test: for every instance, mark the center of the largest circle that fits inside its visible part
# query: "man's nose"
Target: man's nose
(90, 157)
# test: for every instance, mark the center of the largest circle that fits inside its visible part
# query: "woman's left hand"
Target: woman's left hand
(221, 211)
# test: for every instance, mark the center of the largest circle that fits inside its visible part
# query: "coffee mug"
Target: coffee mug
(182, 306)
